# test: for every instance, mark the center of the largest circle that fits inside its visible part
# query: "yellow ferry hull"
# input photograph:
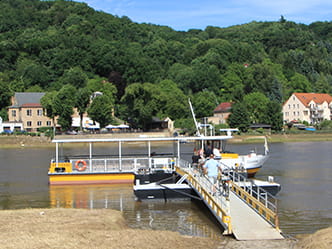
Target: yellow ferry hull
(93, 178)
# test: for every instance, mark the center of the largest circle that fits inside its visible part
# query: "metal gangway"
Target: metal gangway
(243, 209)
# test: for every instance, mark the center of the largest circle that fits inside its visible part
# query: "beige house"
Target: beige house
(310, 107)
(220, 113)
(26, 109)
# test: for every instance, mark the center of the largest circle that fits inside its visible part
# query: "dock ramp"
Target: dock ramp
(244, 210)
(247, 224)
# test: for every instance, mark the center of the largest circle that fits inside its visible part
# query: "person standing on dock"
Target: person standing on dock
(211, 168)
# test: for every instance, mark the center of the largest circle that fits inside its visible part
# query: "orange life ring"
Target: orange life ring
(78, 167)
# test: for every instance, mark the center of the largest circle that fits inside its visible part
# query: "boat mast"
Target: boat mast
(192, 112)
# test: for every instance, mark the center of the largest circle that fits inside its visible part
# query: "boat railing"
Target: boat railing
(123, 164)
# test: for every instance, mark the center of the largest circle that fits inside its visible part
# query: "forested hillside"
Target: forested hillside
(149, 70)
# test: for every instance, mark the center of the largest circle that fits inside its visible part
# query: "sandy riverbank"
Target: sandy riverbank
(13, 141)
(104, 228)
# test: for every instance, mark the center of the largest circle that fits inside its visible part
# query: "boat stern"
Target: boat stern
(60, 167)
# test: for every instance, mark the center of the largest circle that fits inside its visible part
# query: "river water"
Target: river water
(303, 169)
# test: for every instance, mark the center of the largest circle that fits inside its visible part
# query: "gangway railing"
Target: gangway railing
(265, 204)
(254, 196)
(217, 201)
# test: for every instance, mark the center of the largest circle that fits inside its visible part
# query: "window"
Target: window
(39, 112)
(39, 123)
(305, 113)
(289, 106)
(29, 112)
(48, 123)
(29, 123)
(13, 113)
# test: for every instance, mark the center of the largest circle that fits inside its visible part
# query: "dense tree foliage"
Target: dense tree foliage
(82, 102)
(100, 110)
(64, 102)
(45, 45)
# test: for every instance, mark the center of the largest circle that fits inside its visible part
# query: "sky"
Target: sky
(182, 15)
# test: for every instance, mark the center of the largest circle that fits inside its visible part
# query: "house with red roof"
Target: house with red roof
(310, 107)
(221, 113)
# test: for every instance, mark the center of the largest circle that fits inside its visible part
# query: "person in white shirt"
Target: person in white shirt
(216, 153)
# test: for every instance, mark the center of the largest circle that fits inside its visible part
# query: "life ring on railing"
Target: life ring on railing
(78, 165)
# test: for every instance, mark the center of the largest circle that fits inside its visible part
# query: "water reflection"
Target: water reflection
(182, 216)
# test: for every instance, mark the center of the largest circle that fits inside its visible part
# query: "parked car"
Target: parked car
(71, 132)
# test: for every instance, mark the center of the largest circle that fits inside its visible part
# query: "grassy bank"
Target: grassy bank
(284, 138)
(15, 141)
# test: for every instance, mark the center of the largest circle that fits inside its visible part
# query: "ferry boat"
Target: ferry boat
(120, 164)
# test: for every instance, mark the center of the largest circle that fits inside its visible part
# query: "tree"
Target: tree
(48, 104)
(5, 94)
(322, 85)
(102, 85)
(256, 104)
(205, 77)
(82, 101)
(31, 73)
(174, 102)
(183, 76)
(298, 83)
(101, 110)
(239, 117)
(142, 103)
(74, 76)
(233, 88)
(64, 104)
(273, 116)
(204, 103)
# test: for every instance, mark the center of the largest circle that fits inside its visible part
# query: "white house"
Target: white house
(310, 107)
(10, 126)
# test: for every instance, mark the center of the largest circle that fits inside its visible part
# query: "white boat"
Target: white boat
(251, 162)
(253, 185)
